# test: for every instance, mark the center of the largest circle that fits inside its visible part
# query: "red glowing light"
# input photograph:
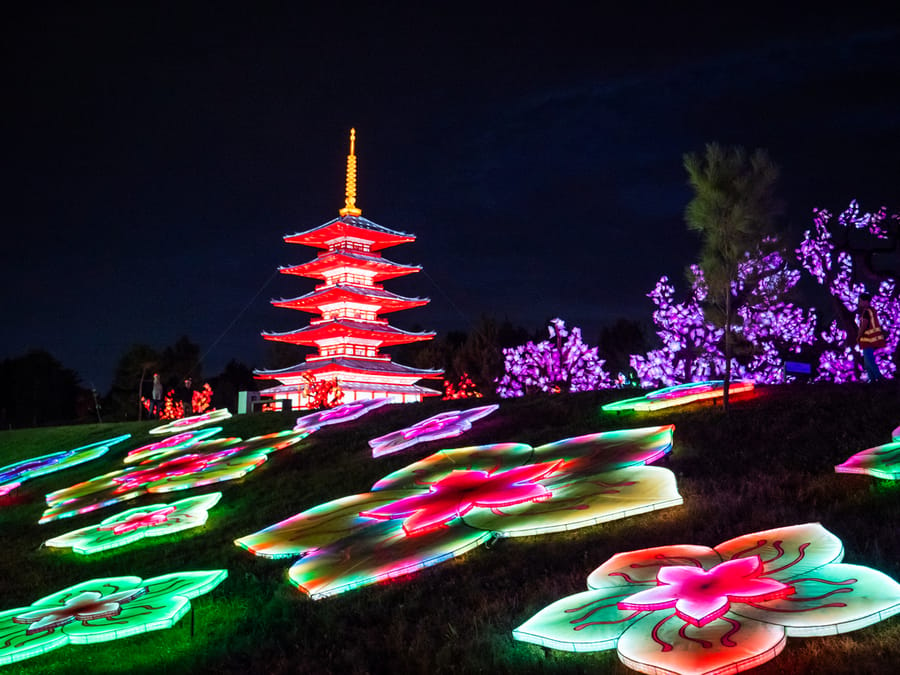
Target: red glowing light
(460, 491)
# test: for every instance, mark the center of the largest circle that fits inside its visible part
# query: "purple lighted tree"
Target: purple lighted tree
(564, 363)
(767, 328)
(841, 256)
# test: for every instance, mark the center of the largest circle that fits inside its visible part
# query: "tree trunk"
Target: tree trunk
(141, 393)
(727, 381)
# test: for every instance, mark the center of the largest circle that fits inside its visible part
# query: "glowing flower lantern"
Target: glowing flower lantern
(13, 475)
(203, 463)
(882, 461)
(693, 609)
(680, 394)
(454, 500)
(101, 610)
(444, 425)
(124, 528)
(169, 446)
(342, 413)
(193, 422)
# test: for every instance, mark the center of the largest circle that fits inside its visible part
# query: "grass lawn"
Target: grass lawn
(769, 463)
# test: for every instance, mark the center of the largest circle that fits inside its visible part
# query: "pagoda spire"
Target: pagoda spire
(350, 208)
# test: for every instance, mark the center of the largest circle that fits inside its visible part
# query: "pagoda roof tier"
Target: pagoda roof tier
(384, 300)
(350, 226)
(335, 328)
(348, 365)
(361, 386)
(330, 260)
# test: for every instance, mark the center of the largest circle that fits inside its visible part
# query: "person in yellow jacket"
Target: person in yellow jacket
(870, 336)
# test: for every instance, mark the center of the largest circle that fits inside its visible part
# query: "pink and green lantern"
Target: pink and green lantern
(454, 500)
(13, 475)
(169, 446)
(692, 609)
(339, 414)
(101, 610)
(154, 520)
(680, 394)
(204, 463)
(447, 424)
(882, 461)
(193, 422)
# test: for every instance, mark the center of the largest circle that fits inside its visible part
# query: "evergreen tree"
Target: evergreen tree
(733, 209)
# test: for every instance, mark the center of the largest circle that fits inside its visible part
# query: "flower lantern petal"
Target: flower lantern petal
(660, 642)
(609, 450)
(13, 475)
(319, 526)
(488, 458)
(16, 644)
(169, 446)
(587, 621)
(638, 569)
(833, 599)
(338, 414)
(578, 503)
(787, 552)
(882, 461)
(444, 425)
(187, 423)
(377, 553)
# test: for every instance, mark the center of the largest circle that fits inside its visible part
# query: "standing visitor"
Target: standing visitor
(870, 336)
(185, 394)
(156, 402)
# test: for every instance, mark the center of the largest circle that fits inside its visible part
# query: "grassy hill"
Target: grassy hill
(769, 463)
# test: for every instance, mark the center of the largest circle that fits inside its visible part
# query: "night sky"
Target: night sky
(155, 156)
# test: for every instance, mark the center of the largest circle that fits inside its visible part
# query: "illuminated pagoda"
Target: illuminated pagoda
(349, 332)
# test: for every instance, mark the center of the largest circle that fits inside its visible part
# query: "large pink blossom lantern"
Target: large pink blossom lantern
(454, 500)
(692, 609)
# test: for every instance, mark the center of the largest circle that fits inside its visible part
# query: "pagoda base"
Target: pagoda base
(353, 391)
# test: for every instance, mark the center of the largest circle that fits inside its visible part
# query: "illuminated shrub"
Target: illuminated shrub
(562, 364)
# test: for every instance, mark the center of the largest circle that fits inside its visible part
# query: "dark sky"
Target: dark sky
(155, 154)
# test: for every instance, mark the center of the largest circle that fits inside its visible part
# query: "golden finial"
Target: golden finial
(350, 203)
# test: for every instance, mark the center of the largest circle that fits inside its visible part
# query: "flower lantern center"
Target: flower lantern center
(429, 426)
(700, 596)
(83, 607)
(340, 411)
(458, 492)
(138, 520)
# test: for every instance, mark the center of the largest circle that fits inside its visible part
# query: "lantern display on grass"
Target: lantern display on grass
(350, 301)
(202, 463)
(154, 520)
(882, 461)
(454, 500)
(13, 475)
(680, 394)
(100, 610)
(443, 425)
(839, 255)
(342, 413)
(192, 422)
(564, 363)
(693, 609)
